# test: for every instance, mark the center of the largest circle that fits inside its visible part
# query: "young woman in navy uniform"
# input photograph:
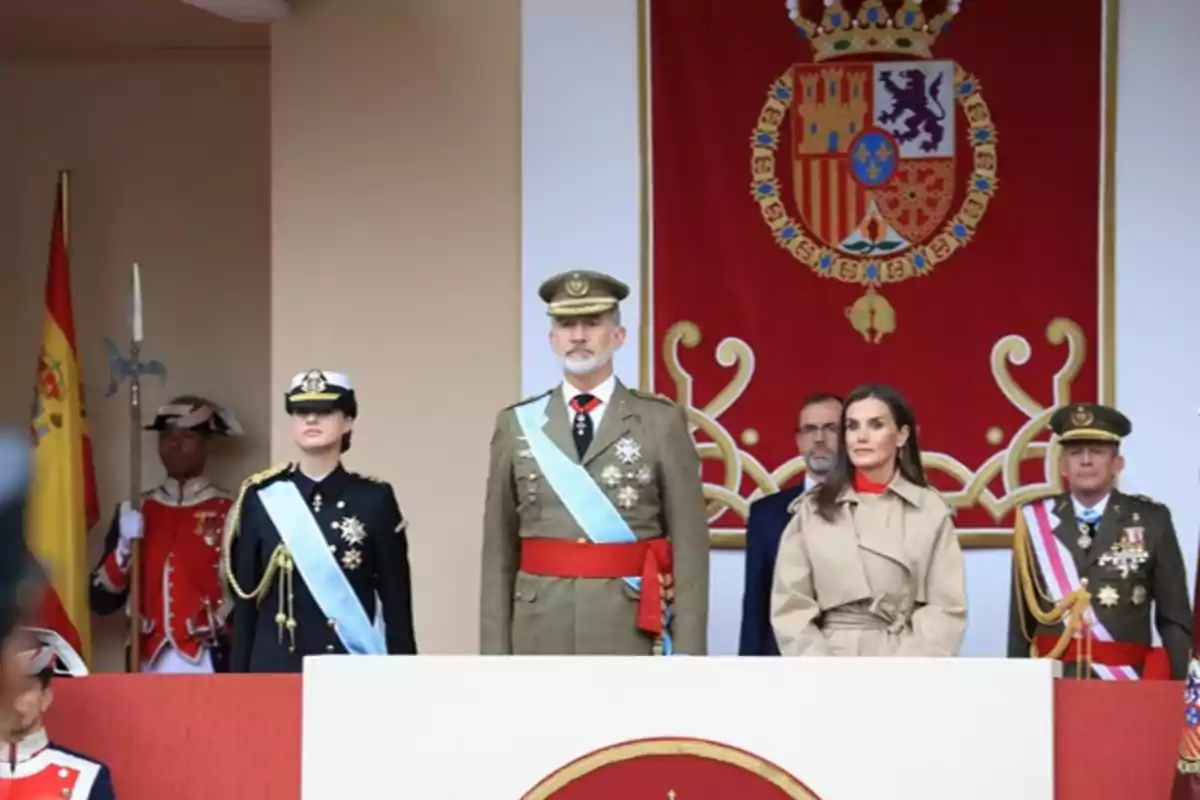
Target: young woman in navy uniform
(317, 556)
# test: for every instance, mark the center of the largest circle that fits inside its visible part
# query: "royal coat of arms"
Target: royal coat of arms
(875, 194)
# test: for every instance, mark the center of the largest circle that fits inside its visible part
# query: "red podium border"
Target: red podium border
(1112, 741)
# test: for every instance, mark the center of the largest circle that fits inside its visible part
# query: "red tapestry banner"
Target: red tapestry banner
(866, 191)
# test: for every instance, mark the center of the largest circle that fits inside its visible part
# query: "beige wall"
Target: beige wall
(395, 231)
(170, 161)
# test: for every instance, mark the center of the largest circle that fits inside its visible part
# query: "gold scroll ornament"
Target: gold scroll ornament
(975, 483)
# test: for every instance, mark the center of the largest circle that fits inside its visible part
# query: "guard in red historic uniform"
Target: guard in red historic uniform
(183, 605)
(31, 766)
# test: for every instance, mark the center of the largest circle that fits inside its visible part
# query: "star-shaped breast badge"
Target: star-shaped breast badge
(351, 559)
(353, 531)
(611, 475)
(628, 450)
(627, 497)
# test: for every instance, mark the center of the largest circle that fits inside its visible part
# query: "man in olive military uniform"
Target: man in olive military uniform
(315, 554)
(595, 538)
(1120, 549)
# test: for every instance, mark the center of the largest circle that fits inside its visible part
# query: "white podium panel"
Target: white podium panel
(495, 728)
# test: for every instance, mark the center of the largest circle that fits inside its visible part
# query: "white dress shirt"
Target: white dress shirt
(603, 393)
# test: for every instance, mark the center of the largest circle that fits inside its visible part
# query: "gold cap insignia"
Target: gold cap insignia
(577, 286)
(314, 381)
(1081, 417)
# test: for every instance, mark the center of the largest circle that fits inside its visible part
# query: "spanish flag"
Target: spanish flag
(63, 505)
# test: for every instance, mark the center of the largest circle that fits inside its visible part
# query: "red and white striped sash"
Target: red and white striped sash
(1058, 569)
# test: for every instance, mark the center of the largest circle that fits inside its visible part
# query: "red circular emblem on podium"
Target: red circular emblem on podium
(670, 769)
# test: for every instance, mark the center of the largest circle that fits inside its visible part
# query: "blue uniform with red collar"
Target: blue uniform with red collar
(35, 768)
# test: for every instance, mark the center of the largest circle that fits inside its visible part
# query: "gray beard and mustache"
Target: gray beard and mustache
(819, 465)
(578, 364)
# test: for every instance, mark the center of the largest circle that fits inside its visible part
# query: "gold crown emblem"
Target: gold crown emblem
(874, 29)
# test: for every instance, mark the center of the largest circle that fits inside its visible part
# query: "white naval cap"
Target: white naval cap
(321, 390)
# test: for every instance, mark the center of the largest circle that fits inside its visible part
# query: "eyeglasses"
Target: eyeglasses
(810, 430)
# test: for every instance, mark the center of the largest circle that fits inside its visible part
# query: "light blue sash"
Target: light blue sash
(600, 520)
(325, 579)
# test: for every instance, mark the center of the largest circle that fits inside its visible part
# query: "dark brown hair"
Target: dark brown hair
(908, 459)
(821, 397)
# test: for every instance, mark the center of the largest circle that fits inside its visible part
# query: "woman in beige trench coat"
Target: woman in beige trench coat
(870, 563)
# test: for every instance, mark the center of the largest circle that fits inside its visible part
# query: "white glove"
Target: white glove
(129, 529)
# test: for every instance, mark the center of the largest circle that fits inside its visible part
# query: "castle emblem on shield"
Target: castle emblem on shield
(874, 129)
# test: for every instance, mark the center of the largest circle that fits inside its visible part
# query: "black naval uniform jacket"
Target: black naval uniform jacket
(379, 567)
(1122, 601)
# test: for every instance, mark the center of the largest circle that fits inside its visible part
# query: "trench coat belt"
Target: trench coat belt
(875, 614)
(649, 559)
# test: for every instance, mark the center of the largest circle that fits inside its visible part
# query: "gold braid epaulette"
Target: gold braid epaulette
(231, 530)
(1070, 611)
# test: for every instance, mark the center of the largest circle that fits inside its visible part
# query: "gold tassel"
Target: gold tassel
(1070, 612)
(232, 521)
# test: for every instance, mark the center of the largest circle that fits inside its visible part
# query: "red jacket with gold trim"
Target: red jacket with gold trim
(182, 600)
(34, 769)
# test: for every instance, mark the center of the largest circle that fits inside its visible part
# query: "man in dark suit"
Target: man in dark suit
(818, 437)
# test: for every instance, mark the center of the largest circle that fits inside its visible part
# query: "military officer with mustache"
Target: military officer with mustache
(1096, 567)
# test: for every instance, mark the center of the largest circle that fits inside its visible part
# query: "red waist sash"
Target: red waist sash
(649, 559)
(1152, 660)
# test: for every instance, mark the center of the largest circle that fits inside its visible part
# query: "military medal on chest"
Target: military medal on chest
(628, 450)
(627, 497)
(354, 533)
(628, 474)
(352, 530)
(1085, 536)
(1129, 553)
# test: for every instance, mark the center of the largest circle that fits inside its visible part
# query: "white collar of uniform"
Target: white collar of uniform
(603, 392)
(1080, 507)
(28, 747)
(193, 491)
(190, 488)
(809, 481)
